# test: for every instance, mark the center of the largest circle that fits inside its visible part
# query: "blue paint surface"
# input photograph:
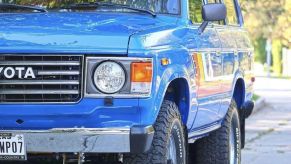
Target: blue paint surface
(130, 35)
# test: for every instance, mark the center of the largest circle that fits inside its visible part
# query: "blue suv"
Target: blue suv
(131, 81)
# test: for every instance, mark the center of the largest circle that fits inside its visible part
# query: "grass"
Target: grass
(256, 97)
(282, 77)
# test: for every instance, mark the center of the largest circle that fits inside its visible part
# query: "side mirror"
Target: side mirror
(212, 12)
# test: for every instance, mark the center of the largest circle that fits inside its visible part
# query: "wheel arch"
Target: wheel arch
(239, 92)
(178, 91)
(239, 95)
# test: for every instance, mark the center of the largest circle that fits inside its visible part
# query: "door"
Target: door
(208, 63)
(228, 34)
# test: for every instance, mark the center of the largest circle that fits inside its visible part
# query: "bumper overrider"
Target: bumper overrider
(136, 139)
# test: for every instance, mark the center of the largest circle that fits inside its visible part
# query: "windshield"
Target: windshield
(157, 6)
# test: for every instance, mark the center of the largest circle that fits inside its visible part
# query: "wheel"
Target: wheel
(222, 146)
(168, 146)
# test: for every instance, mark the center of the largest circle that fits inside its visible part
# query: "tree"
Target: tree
(269, 19)
(259, 45)
(283, 26)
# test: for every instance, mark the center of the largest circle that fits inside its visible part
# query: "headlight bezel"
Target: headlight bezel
(91, 91)
(124, 74)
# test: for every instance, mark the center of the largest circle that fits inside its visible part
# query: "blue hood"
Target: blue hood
(71, 32)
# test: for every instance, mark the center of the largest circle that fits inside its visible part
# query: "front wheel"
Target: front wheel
(168, 146)
(222, 146)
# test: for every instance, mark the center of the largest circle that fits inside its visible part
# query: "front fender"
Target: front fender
(181, 66)
(169, 75)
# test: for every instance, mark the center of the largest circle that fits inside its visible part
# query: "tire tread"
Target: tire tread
(213, 149)
(157, 153)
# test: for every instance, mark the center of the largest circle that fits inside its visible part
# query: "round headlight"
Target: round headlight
(109, 77)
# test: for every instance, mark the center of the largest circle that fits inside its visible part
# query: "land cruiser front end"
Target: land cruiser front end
(58, 106)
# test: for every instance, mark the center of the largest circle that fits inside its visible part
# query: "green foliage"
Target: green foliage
(269, 19)
(195, 11)
(51, 4)
(256, 97)
(283, 26)
(231, 13)
(260, 52)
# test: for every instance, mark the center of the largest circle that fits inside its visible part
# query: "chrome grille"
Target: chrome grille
(58, 79)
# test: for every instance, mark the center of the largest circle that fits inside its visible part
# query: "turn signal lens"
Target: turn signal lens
(141, 77)
(141, 72)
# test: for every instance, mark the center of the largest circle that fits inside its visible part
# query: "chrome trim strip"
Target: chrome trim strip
(120, 58)
(40, 63)
(80, 140)
(206, 130)
(39, 82)
(25, 92)
(58, 73)
(116, 95)
(72, 130)
(220, 50)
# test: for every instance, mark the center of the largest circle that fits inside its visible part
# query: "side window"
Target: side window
(195, 8)
(213, 1)
(231, 12)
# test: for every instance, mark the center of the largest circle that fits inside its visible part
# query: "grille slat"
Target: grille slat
(39, 63)
(57, 79)
(36, 92)
(58, 73)
(39, 82)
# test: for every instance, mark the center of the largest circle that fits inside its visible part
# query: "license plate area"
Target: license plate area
(12, 147)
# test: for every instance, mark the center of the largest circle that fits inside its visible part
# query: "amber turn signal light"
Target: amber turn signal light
(141, 72)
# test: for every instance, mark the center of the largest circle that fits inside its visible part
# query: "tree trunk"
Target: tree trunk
(277, 56)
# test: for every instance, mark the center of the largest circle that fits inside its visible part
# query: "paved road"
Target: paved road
(269, 131)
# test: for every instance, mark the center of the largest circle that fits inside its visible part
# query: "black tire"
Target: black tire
(167, 124)
(215, 148)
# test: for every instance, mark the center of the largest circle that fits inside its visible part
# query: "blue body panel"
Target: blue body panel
(132, 35)
(89, 113)
(82, 33)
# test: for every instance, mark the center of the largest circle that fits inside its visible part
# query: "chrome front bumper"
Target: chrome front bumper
(113, 140)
